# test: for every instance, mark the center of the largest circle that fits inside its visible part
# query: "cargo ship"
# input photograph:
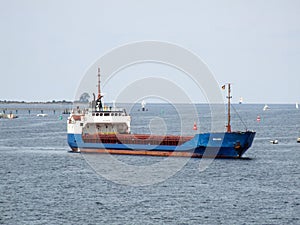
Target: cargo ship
(102, 129)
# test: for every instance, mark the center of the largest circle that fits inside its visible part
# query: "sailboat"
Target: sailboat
(297, 107)
(266, 107)
(143, 104)
(241, 100)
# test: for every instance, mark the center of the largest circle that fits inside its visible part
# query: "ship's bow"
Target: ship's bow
(244, 143)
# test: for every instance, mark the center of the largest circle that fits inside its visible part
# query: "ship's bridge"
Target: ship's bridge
(107, 120)
(109, 111)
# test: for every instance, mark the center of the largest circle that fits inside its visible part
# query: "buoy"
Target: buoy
(195, 126)
(258, 119)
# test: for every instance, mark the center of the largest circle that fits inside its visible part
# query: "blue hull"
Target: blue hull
(219, 145)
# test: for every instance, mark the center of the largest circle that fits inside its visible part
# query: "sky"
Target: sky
(47, 46)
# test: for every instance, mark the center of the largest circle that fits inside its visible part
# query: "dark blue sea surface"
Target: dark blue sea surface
(43, 183)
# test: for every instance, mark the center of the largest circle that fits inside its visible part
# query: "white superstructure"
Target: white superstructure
(106, 120)
(99, 119)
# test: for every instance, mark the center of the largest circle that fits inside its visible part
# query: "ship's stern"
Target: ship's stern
(74, 131)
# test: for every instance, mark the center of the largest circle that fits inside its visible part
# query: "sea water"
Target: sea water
(41, 182)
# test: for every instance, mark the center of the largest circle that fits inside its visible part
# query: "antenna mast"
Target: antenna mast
(99, 92)
(228, 114)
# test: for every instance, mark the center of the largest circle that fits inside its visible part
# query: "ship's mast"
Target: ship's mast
(228, 113)
(98, 103)
(99, 92)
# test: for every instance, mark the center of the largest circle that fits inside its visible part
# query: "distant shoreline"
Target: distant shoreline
(30, 102)
(80, 102)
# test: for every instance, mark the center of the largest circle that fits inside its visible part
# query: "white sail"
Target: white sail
(266, 107)
(143, 104)
(297, 107)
